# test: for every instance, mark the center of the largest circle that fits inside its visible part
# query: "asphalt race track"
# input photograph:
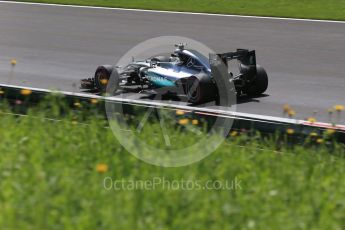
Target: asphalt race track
(57, 46)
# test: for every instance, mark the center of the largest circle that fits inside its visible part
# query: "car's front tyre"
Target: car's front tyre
(102, 76)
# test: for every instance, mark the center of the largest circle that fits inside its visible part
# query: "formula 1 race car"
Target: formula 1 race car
(185, 72)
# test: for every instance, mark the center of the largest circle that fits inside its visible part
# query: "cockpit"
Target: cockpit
(190, 59)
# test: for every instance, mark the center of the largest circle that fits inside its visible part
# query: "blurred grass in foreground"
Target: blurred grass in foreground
(52, 175)
(317, 9)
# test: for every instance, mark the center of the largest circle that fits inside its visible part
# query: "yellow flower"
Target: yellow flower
(102, 168)
(330, 131)
(2, 92)
(286, 108)
(291, 113)
(312, 119)
(25, 92)
(319, 141)
(339, 108)
(183, 121)
(104, 81)
(195, 122)
(233, 133)
(313, 134)
(13, 62)
(93, 101)
(74, 122)
(290, 131)
(77, 104)
(179, 112)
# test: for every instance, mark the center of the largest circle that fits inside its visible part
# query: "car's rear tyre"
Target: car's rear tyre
(260, 83)
(193, 90)
(200, 89)
(102, 76)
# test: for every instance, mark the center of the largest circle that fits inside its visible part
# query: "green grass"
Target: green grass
(48, 180)
(316, 9)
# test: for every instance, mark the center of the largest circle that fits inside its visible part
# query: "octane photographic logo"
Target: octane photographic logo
(158, 125)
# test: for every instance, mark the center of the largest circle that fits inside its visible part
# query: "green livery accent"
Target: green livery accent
(159, 81)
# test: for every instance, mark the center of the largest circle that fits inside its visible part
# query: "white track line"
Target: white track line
(174, 12)
(198, 110)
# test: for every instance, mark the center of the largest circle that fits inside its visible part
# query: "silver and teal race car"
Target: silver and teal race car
(185, 72)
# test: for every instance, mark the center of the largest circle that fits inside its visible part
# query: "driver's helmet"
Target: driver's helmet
(182, 57)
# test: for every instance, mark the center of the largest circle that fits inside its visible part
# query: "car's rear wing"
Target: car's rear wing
(244, 56)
